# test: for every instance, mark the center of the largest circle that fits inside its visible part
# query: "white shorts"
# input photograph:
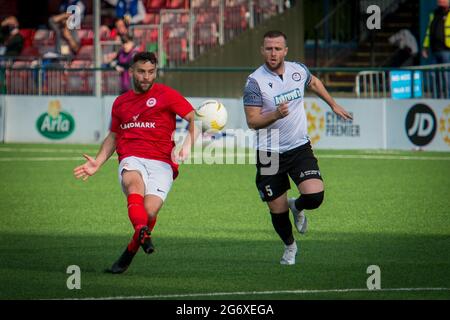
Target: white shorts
(157, 175)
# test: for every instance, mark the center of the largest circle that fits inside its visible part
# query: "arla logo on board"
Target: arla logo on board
(55, 124)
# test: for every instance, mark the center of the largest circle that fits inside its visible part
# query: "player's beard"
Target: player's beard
(274, 67)
(138, 85)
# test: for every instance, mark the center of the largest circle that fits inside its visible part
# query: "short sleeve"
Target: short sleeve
(115, 120)
(252, 93)
(180, 105)
(308, 74)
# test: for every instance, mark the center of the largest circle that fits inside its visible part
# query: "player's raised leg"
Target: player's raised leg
(133, 186)
(311, 197)
(152, 204)
(158, 184)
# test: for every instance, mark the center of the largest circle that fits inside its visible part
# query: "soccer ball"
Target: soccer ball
(213, 115)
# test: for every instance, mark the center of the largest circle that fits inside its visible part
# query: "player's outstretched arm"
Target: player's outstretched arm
(91, 166)
(318, 88)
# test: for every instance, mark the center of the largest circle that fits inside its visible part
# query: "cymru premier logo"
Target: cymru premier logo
(444, 125)
(55, 124)
(328, 122)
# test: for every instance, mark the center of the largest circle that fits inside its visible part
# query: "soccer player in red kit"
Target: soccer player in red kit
(143, 121)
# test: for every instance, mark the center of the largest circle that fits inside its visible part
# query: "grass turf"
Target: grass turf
(215, 235)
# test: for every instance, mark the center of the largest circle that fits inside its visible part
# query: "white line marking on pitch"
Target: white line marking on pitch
(47, 150)
(379, 157)
(218, 156)
(249, 293)
(42, 159)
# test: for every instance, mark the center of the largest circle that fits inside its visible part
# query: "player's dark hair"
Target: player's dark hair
(145, 56)
(275, 34)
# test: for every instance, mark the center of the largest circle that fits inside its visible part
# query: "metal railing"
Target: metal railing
(221, 82)
(371, 84)
(39, 79)
(435, 80)
(430, 81)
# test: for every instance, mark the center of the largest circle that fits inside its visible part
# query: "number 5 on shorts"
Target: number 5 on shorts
(269, 191)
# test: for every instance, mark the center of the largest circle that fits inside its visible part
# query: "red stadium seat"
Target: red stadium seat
(30, 52)
(87, 22)
(111, 82)
(79, 81)
(155, 5)
(154, 35)
(177, 50)
(86, 37)
(105, 33)
(43, 49)
(54, 82)
(235, 18)
(206, 34)
(27, 35)
(233, 3)
(44, 37)
(151, 18)
(85, 53)
(207, 15)
(21, 81)
(144, 36)
(177, 4)
(204, 3)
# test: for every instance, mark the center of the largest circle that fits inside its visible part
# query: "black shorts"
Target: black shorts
(272, 180)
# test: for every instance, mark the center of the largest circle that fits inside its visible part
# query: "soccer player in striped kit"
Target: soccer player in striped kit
(273, 103)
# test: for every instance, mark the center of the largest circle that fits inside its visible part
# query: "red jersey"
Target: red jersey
(144, 123)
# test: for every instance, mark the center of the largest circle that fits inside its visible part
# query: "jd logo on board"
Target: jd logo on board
(420, 124)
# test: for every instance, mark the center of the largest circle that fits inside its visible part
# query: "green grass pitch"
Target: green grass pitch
(214, 238)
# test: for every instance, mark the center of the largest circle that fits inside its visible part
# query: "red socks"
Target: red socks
(152, 222)
(138, 217)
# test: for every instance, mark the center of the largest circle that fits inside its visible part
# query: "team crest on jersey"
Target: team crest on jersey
(151, 102)
(296, 76)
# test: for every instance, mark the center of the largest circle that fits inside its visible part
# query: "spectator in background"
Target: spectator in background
(123, 60)
(131, 11)
(66, 41)
(11, 41)
(437, 38)
(65, 4)
(120, 30)
(116, 31)
(408, 49)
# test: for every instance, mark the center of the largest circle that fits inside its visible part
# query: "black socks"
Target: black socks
(283, 226)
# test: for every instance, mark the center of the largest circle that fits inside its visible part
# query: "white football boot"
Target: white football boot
(300, 221)
(289, 254)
